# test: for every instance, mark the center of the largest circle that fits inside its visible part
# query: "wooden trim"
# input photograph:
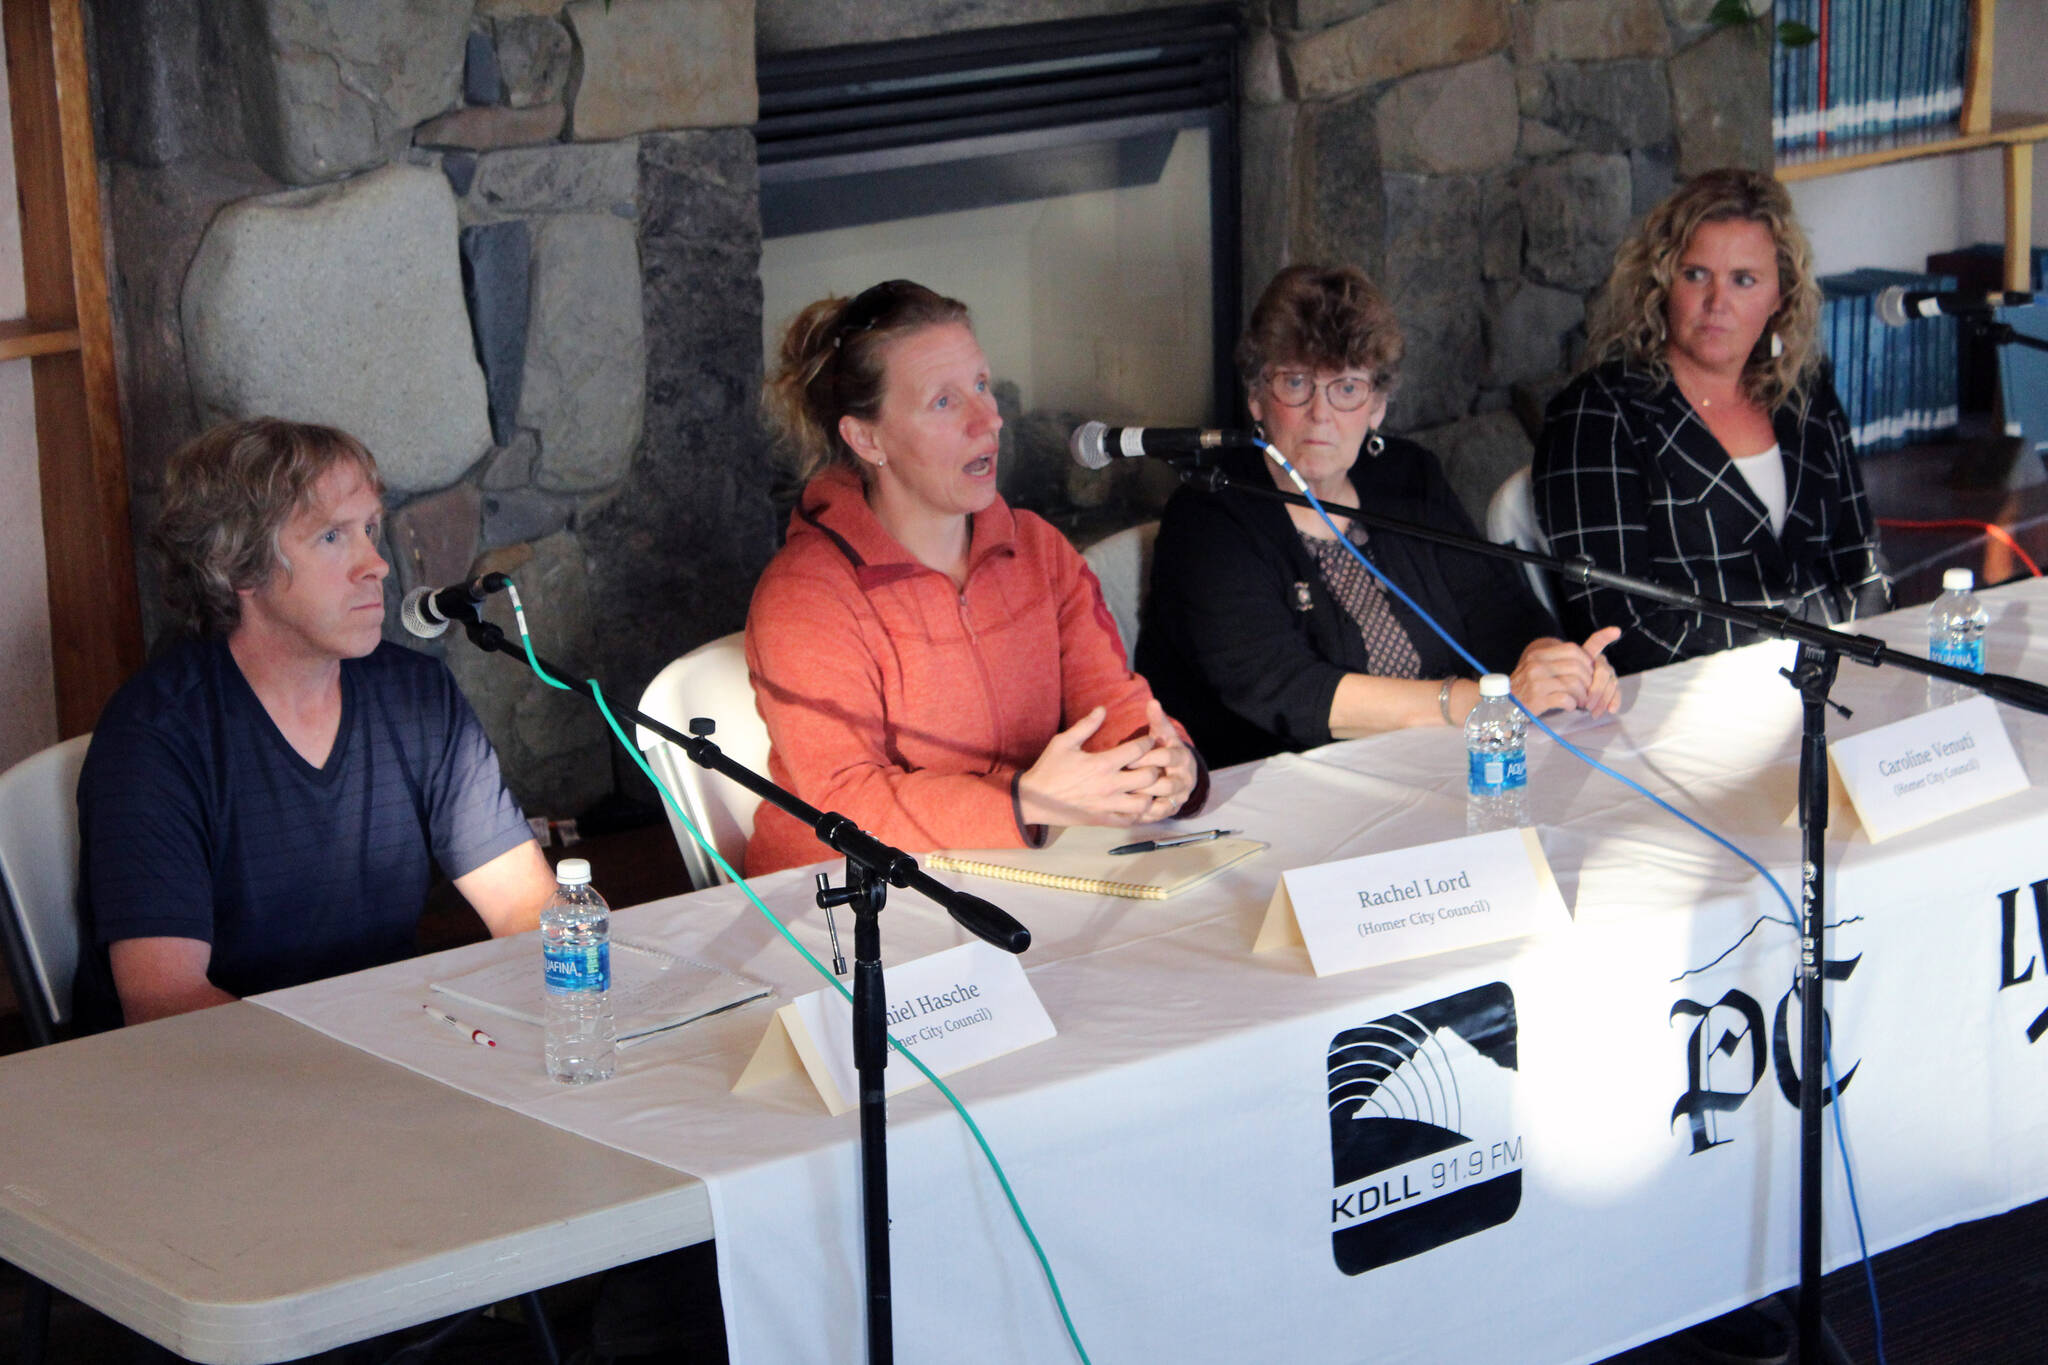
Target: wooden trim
(2019, 216)
(1843, 157)
(1976, 116)
(38, 162)
(95, 618)
(21, 338)
(88, 253)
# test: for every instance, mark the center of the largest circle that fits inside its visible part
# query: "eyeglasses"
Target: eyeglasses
(1296, 389)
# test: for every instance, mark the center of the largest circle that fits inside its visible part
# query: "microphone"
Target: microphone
(1094, 445)
(428, 612)
(1898, 305)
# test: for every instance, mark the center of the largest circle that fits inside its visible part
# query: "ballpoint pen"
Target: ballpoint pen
(476, 1035)
(1148, 845)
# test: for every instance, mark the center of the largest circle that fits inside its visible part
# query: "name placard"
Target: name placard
(954, 1009)
(1389, 907)
(1918, 770)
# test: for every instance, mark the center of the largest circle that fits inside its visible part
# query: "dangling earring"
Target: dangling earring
(1374, 444)
(1777, 345)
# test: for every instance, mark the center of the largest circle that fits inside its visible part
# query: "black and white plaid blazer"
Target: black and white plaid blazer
(1627, 474)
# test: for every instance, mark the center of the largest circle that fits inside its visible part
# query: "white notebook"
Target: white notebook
(652, 991)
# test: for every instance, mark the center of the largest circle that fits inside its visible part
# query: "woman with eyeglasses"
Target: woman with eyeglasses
(1262, 633)
(930, 663)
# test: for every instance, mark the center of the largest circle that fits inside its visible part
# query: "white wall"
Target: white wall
(1896, 215)
(28, 694)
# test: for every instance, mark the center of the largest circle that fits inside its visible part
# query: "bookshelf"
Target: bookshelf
(1977, 127)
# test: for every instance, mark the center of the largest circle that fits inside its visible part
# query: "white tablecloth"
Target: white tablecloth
(1631, 1156)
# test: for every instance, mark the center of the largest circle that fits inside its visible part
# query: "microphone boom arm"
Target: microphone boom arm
(884, 862)
(1864, 649)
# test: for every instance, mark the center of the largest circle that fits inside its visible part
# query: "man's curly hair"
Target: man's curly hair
(227, 495)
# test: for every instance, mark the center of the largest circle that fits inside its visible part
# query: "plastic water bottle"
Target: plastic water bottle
(576, 945)
(1497, 763)
(1955, 635)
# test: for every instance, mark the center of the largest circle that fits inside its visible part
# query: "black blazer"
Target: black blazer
(1627, 474)
(1244, 644)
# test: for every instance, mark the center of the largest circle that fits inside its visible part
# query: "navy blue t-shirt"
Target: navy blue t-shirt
(197, 819)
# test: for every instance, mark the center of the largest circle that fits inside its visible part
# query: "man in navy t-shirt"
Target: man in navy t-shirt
(264, 805)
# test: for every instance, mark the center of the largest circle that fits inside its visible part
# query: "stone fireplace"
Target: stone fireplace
(517, 246)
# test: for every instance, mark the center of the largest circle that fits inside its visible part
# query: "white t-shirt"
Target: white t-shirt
(1765, 475)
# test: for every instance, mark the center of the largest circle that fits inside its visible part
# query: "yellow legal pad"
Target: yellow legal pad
(1078, 859)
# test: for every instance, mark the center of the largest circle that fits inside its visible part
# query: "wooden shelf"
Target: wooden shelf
(21, 338)
(1856, 154)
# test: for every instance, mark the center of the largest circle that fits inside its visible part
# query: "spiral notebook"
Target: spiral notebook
(652, 991)
(1079, 859)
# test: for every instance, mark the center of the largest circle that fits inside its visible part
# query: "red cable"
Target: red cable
(1989, 528)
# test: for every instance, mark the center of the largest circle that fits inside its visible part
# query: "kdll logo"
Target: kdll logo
(1422, 1148)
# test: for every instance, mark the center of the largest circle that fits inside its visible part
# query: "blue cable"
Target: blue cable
(1841, 1140)
(987, 1152)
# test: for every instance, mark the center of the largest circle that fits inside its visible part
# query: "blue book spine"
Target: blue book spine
(1833, 338)
(1854, 368)
(1886, 399)
(1851, 25)
(1895, 64)
(1807, 125)
(1785, 87)
(1947, 378)
(1799, 127)
(1950, 59)
(1778, 95)
(1918, 60)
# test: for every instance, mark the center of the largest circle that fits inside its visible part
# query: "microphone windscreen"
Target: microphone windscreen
(1891, 305)
(1088, 447)
(412, 615)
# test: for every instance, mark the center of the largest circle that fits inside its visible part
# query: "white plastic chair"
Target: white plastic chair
(710, 681)
(1511, 520)
(39, 928)
(39, 875)
(1124, 564)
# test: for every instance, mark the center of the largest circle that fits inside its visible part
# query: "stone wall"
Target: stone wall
(514, 244)
(1482, 159)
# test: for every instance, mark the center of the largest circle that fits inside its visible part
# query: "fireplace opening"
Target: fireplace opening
(1074, 183)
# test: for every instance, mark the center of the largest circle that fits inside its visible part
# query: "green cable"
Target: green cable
(668, 797)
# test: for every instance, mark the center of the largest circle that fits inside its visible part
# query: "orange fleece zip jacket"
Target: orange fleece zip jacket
(911, 707)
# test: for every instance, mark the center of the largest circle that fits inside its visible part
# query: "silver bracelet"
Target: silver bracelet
(1443, 701)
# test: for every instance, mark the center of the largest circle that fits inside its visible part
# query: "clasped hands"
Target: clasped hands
(1556, 675)
(1147, 777)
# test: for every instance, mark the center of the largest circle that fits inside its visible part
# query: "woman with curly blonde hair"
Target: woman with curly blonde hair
(1703, 445)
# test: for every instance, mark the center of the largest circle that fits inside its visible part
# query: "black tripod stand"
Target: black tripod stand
(1813, 675)
(872, 867)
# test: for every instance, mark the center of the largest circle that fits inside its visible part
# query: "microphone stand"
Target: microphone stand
(872, 867)
(1812, 675)
(1988, 327)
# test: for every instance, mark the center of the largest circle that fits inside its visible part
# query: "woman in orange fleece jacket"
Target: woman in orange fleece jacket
(931, 664)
